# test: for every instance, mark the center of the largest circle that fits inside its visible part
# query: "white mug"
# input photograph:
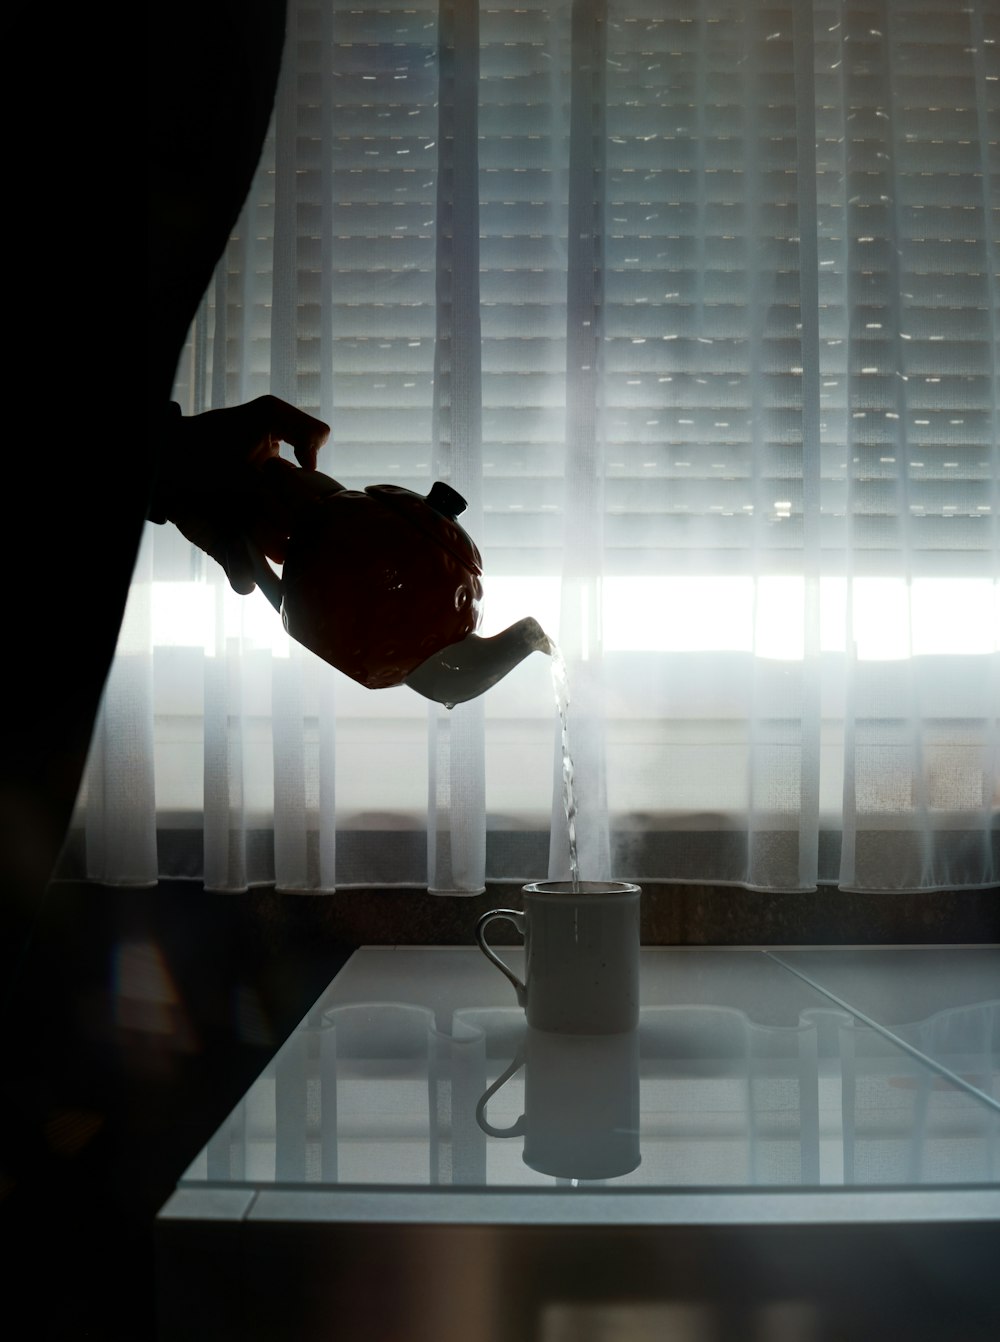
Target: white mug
(581, 955)
(581, 1104)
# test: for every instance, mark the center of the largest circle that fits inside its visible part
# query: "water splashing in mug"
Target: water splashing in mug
(560, 684)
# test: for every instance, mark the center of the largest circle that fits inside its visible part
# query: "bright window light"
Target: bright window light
(881, 619)
(194, 614)
(952, 616)
(507, 600)
(891, 620)
(678, 614)
(779, 631)
(184, 616)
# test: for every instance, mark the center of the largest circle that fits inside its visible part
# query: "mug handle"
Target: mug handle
(512, 916)
(516, 1128)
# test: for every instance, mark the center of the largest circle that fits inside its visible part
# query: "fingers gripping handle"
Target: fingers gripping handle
(511, 916)
(267, 580)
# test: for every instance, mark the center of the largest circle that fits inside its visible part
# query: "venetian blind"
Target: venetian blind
(697, 303)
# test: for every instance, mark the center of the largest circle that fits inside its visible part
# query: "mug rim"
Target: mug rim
(576, 889)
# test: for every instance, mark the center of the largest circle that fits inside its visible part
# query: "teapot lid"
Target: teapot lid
(435, 516)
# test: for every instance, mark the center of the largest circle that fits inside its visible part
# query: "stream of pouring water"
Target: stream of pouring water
(560, 684)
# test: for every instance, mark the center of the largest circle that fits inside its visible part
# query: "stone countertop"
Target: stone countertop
(671, 915)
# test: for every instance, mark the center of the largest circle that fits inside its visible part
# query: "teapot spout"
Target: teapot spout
(465, 670)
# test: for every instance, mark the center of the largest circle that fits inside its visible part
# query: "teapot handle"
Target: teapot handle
(266, 578)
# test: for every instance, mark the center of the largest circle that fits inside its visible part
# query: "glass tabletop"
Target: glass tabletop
(941, 1002)
(750, 1069)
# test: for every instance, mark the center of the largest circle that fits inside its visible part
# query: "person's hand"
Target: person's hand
(224, 485)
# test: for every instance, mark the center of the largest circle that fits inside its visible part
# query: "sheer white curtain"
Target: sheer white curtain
(697, 305)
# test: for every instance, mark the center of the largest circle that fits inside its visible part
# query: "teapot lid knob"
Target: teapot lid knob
(445, 500)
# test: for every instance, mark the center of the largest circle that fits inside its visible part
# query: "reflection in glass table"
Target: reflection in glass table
(697, 1096)
(763, 1153)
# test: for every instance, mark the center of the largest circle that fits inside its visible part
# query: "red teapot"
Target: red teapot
(386, 586)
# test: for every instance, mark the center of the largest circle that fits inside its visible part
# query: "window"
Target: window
(697, 305)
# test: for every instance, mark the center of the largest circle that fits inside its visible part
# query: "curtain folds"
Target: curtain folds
(698, 306)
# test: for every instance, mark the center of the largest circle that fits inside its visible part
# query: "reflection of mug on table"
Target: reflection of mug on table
(581, 1104)
(581, 955)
